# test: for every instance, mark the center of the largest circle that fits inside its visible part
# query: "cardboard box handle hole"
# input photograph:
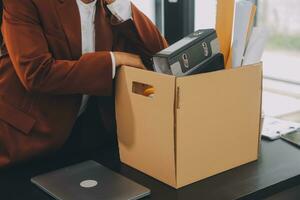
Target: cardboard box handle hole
(143, 89)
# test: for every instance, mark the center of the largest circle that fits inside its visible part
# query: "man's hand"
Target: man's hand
(128, 59)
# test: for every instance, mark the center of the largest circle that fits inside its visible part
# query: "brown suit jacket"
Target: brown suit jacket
(43, 74)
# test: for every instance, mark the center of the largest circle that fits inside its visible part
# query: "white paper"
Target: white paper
(256, 46)
(273, 128)
(241, 26)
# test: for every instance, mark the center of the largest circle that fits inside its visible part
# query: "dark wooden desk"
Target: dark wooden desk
(278, 170)
(288, 194)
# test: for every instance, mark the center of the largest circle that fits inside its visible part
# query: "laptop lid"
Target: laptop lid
(89, 181)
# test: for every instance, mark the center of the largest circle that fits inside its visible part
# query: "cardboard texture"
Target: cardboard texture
(192, 128)
(146, 125)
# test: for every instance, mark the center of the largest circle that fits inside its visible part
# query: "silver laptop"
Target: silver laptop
(89, 181)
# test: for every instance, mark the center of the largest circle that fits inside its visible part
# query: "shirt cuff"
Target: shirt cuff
(113, 61)
(121, 9)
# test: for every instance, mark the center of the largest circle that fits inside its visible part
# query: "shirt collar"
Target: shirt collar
(86, 5)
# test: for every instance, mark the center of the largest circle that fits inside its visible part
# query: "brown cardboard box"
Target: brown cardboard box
(193, 127)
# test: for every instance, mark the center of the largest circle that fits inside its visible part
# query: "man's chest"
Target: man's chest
(64, 25)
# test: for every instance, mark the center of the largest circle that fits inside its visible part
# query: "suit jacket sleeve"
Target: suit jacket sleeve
(36, 67)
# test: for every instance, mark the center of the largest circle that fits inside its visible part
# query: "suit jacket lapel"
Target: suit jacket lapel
(70, 19)
(104, 36)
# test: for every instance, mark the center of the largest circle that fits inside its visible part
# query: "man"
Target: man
(56, 55)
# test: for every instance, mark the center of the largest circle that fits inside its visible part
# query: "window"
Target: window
(282, 57)
(283, 50)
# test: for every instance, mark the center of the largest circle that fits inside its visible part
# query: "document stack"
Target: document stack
(248, 41)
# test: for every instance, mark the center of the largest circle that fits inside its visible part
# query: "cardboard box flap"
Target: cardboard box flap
(224, 27)
(213, 111)
(148, 144)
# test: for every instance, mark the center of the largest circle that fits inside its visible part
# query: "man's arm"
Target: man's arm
(35, 65)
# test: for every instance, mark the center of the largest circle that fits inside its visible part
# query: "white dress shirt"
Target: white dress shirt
(121, 9)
